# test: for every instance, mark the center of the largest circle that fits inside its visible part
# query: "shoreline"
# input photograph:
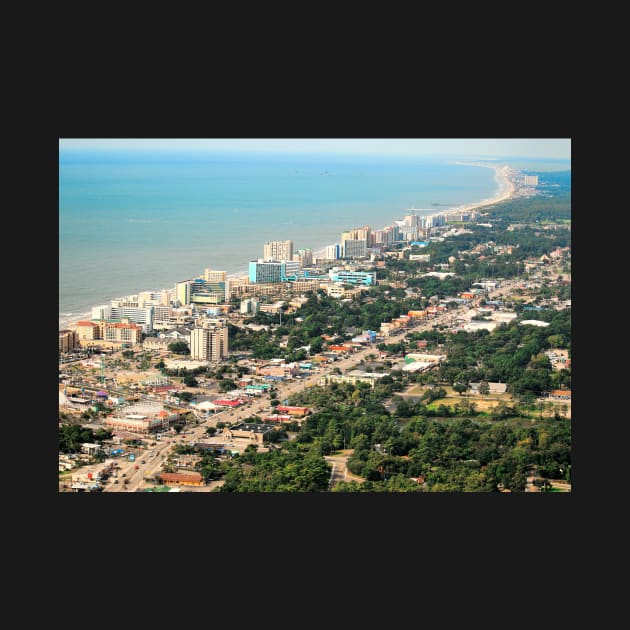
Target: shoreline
(503, 176)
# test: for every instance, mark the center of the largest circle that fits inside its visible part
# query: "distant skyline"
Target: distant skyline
(546, 148)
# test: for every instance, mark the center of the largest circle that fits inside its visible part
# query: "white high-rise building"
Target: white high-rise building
(332, 252)
(102, 312)
(209, 341)
(121, 310)
(278, 250)
(153, 298)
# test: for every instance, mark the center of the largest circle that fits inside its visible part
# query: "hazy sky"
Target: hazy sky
(552, 148)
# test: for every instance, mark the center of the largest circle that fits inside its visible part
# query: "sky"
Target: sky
(550, 148)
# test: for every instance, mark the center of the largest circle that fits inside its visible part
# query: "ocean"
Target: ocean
(133, 221)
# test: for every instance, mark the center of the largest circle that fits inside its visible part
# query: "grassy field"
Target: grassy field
(484, 404)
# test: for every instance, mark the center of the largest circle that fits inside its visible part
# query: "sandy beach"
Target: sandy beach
(506, 187)
(504, 177)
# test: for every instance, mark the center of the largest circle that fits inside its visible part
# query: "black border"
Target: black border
(387, 522)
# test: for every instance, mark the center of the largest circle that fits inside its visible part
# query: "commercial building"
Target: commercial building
(354, 248)
(358, 234)
(386, 236)
(278, 250)
(416, 361)
(154, 298)
(162, 316)
(86, 331)
(68, 340)
(266, 271)
(249, 305)
(182, 292)
(122, 333)
(207, 292)
(209, 341)
(236, 287)
(292, 269)
(283, 370)
(104, 311)
(201, 291)
(304, 257)
(181, 479)
(337, 290)
(355, 376)
(141, 418)
(301, 286)
(252, 431)
(352, 277)
(212, 275)
(367, 336)
(333, 252)
(132, 312)
(298, 412)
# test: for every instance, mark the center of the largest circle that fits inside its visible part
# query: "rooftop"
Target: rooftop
(254, 427)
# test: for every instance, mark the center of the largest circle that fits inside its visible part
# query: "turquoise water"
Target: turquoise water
(131, 221)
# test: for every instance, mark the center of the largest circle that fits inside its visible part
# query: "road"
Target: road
(155, 457)
(340, 470)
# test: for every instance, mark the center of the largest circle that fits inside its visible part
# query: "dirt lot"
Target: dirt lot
(482, 403)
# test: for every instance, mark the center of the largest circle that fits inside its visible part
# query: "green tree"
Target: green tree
(460, 388)
(316, 344)
(226, 385)
(179, 347)
(403, 409)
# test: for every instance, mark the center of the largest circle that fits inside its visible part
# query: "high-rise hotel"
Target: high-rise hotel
(355, 242)
(278, 250)
(209, 340)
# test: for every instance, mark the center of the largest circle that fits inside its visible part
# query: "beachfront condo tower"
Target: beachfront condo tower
(278, 250)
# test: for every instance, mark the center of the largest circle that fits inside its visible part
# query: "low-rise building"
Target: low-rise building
(337, 290)
(560, 394)
(494, 388)
(299, 412)
(143, 417)
(473, 326)
(181, 479)
(354, 376)
(276, 417)
(250, 430)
